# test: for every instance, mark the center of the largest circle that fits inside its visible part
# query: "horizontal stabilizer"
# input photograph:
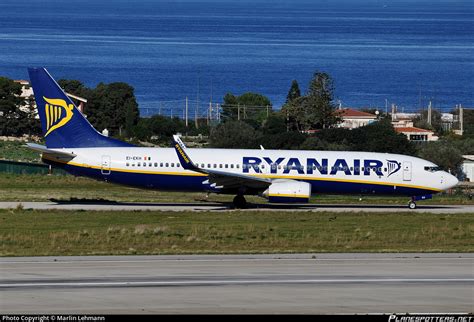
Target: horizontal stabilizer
(51, 152)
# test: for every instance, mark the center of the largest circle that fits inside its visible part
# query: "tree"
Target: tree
(376, 137)
(246, 106)
(274, 124)
(234, 135)
(114, 107)
(444, 154)
(295, 114)
(316, 109)
(294, 91)
(17, 116)
(319, 108)
(315, 143)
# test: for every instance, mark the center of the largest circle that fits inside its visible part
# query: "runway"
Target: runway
(297, 283)
(208, 206)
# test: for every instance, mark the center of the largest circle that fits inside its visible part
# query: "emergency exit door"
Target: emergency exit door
(105, 166)
(407, 171)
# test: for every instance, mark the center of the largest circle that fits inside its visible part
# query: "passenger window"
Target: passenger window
(220, 166)
(202, 165)
(237, 166)
(215, 165)
(232, 166)
(127, 164)
(138, 164)
(133, 164)
(208, 165)
(156, 164)
(172, 165)
(167, 164)
(161, 164)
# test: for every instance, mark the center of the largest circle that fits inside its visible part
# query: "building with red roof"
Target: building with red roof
(352, 119)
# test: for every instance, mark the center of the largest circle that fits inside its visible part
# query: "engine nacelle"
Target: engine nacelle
(288, 191)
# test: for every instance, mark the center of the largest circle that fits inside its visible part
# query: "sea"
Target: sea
(378, 52)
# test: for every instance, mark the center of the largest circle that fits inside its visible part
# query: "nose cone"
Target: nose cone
(450, 181)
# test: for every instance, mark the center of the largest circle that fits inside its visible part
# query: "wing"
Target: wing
(219, 179)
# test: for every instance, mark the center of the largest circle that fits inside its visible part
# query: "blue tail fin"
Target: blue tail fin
(63, 124)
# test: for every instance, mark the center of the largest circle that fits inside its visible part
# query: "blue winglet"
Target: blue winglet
(182, 155)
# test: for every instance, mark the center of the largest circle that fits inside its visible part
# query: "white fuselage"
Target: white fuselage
(327, 171)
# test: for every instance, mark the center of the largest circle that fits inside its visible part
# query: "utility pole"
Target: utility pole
(393, 112)
(461, 121)
(267, 111)
(386, 106)
(209, 113)
(238, 112)
(429, 113)
(186, 117)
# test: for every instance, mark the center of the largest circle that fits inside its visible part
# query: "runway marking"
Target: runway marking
(233, 282)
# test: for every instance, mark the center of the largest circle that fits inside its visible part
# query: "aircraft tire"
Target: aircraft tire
(412, 205)
(239, 202)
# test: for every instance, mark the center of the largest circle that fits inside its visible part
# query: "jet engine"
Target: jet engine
(285, 191)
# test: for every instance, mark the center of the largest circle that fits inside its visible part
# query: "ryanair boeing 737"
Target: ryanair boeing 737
(278, 175)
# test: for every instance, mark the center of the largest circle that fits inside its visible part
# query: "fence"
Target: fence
(192, 110)
(16, 167)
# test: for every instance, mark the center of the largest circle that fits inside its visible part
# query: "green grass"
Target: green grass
(32, 233)
(16, 151)
(15, 187)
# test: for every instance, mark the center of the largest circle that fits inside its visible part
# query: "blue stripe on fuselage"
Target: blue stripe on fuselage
(172, 182)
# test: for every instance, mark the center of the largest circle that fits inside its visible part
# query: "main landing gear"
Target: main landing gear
(239, 202)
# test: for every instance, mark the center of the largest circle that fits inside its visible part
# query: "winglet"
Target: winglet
(182, 155)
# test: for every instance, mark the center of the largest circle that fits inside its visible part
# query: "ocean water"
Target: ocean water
(378, 52)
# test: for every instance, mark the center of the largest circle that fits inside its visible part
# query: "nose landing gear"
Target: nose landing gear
(412, 204)
(239, 202)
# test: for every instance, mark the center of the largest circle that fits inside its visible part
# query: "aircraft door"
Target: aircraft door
(105, 166)
(406, 171)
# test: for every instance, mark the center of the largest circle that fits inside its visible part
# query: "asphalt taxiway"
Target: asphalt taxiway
(297, 283)
(209, 206)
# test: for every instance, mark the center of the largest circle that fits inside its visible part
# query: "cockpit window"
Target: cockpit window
(432, 169)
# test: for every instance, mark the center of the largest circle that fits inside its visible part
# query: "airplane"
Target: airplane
(281, 176)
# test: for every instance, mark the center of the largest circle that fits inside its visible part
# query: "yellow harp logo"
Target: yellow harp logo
(58, 113)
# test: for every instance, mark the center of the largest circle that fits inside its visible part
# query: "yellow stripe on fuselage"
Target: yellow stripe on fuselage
(269, 176)
(289, 196)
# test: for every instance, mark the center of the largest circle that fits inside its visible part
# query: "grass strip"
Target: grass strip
(37, 233)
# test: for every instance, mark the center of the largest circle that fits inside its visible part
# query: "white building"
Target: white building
(416, 134)
(27, 94)
(468, 167)
(352, 119)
